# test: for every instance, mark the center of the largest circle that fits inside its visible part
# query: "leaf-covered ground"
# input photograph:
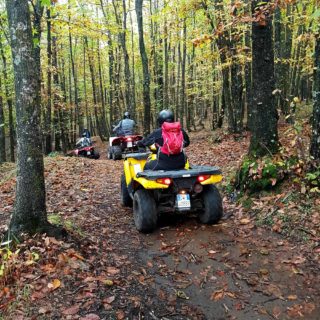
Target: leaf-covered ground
(243, 268)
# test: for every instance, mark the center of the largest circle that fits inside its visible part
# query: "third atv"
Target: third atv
(152, 192)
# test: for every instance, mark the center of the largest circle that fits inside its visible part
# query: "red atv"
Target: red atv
(120, 146)
(84, 148)
(88, 152)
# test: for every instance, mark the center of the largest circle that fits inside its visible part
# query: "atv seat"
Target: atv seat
(138, 155)
(174, 174)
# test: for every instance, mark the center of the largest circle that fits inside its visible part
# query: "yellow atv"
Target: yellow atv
(153, 192)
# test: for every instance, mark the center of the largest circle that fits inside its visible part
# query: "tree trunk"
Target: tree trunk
(315, 139)
(48, 142)
(30, 205)
(104, 123)
(264, 138)
(94, 89)
(248, 81)
(2, 131)
(75, 83)
(9, 102)
(166, 67)
(133, 67)
(122, 39)
(146, 75)
(183, 74)
(56, 99)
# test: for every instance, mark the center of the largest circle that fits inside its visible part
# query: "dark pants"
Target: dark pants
(165, 162)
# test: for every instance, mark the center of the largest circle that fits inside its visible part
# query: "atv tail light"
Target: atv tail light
(166, 181)
(197, 188)
(129, 139)
(203, 178)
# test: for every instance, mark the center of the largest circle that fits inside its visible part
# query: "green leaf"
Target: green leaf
(46, 3)
(316, 14)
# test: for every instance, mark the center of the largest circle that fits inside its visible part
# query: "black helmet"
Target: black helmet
(165, 116)
(126, 115)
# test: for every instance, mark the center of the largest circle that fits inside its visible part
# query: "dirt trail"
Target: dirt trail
(184, 270)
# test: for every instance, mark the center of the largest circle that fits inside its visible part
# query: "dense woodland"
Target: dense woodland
(200, 58)
(239, 66)
(243, 78)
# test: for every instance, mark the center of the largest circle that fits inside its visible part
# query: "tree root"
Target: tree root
(18, 234)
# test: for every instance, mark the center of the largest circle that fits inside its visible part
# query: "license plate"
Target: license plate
(129, 144)
(88, 153)
(183, 201)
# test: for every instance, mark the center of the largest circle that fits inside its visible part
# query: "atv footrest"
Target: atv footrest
(193, 172)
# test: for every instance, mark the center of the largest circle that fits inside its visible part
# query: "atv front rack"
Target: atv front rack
(174, 174)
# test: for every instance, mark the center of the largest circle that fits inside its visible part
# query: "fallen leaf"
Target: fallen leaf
(264, 272)
(182, 295)
(299, 260)
(112, 270)
(230, 294)
(120, 315)
(43, 310)
(71, 311)
(217, 295)
(109, 299)
(276, 312)
(55, 284)
(90, 316)
(108, 282)
(264, 252)
(245, 221)
(292, 297)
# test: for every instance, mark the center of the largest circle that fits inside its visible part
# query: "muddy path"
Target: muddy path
(184, 270)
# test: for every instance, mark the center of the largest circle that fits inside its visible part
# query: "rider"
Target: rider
(164, 161)
(84, 141)
(86, 133)
(126, 126)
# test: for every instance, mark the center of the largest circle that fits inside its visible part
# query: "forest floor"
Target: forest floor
(242, 268)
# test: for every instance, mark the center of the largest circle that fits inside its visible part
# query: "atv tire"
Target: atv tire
(212, 201)
(126, 200)
(144, 211)
(117, 153)
(95, 155)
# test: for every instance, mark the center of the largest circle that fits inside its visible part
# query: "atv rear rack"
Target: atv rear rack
(174, 174)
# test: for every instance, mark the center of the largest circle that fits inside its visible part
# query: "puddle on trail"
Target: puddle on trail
(230, 272)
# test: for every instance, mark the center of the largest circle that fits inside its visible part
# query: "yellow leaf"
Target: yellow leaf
(108, 282)
(181, 294)
(264, 272)
(245, 221)
(292, 297)
(217, 295)
(55, 284)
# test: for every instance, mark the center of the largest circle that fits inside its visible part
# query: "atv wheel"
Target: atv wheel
(126, 200)
(144, 211)
(95, 155)
(117, 153)
(212, 211)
